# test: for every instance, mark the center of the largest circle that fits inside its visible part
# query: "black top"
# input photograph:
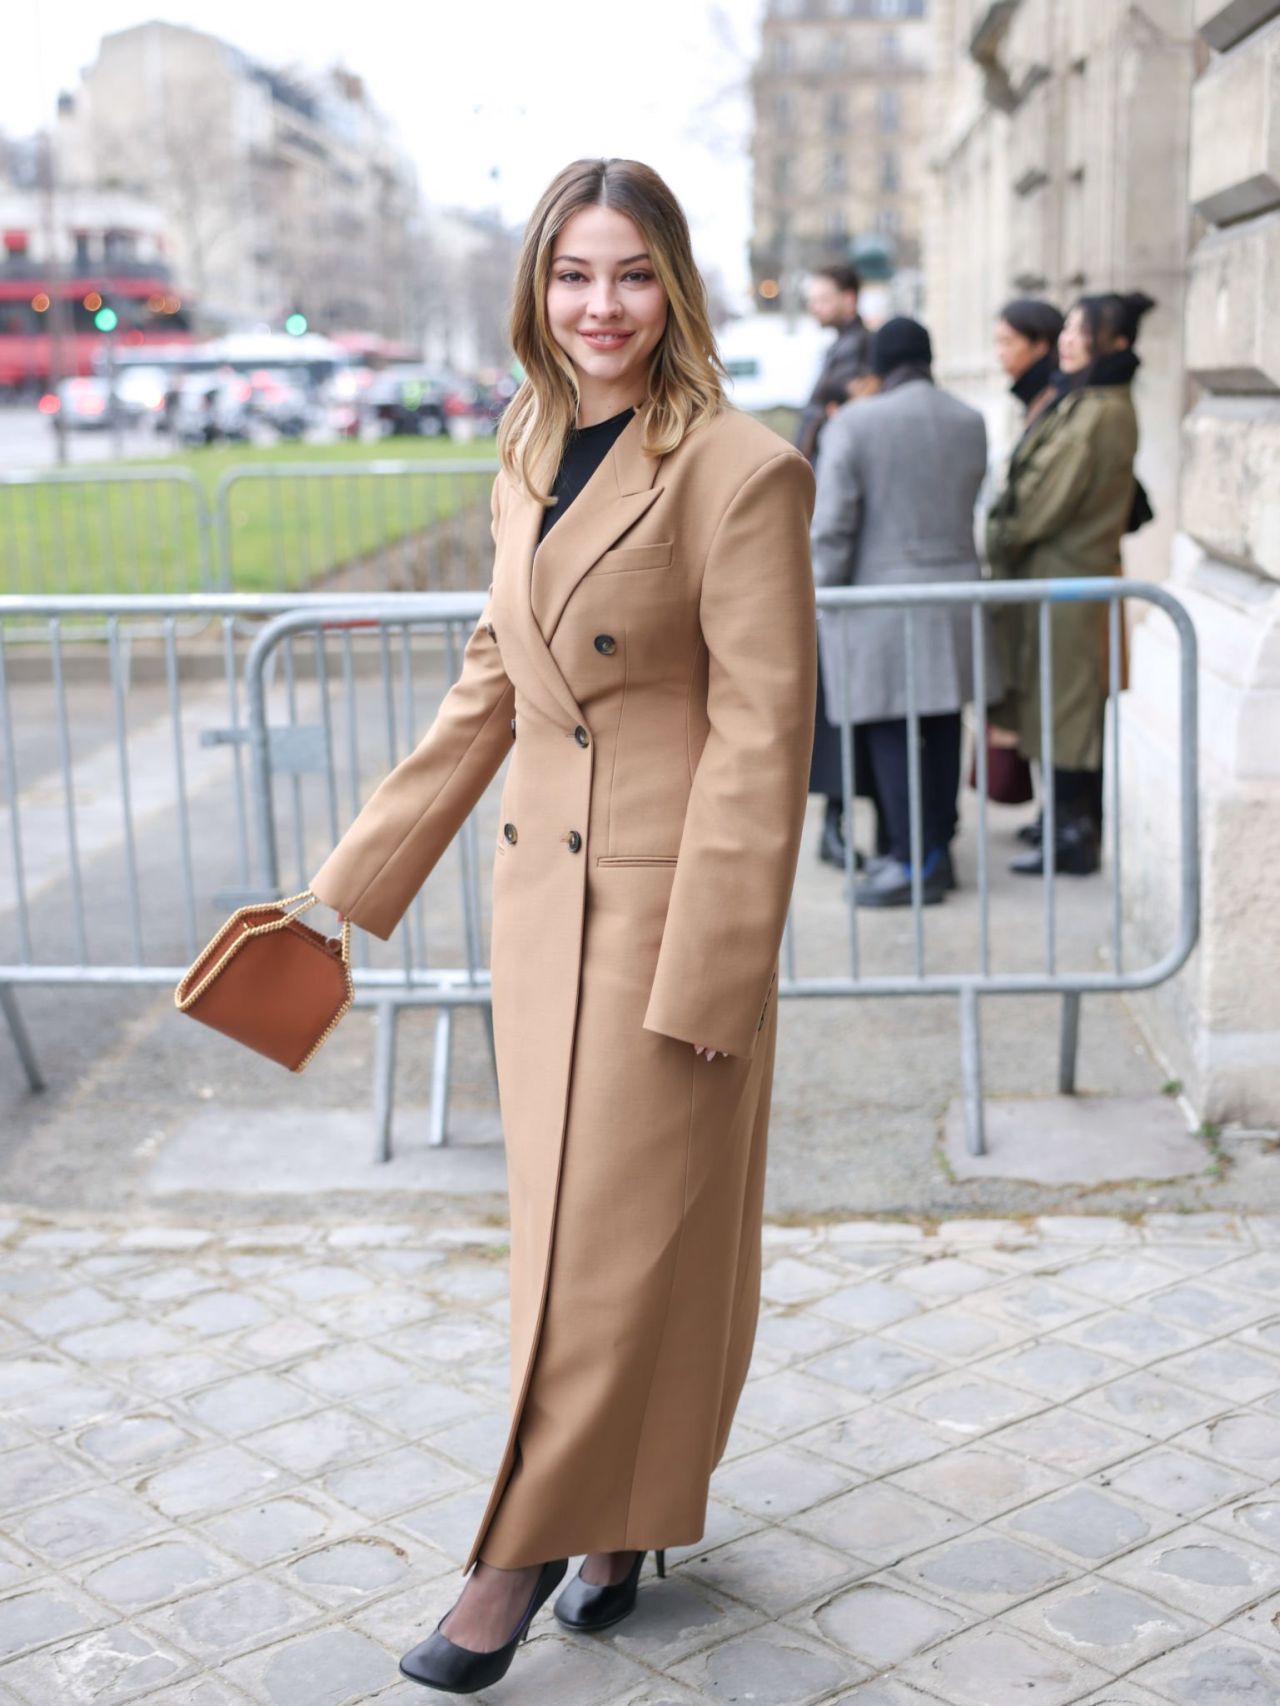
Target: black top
(585, 449)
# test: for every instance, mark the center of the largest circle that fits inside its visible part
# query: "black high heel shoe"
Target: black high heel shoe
(587, 1606)
(441, 1663)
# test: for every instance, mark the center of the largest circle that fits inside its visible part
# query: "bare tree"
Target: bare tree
(182, 154)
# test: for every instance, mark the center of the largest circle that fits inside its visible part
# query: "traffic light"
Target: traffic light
(296, 324)
(106, 319)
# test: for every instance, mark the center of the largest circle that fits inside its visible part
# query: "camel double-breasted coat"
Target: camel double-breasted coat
(653, 661)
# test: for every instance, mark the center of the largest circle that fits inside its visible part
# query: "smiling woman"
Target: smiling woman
(649, 643)
(606, 309)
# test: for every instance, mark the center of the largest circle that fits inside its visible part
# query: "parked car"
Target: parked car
(409, 401)
(212, 406)
(140, 393)
(277, 398)
(82, 403)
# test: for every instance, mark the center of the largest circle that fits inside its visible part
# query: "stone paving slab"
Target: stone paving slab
(989, 1462)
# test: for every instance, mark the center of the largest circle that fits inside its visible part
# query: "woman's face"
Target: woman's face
(1075, 346)
(605, 306)
(1015, 352)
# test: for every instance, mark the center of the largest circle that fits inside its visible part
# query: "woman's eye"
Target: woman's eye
(569, 277)
(639, 277)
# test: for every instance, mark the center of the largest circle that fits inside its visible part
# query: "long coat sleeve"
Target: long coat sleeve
(741, 835)
(837, 507)
(394, 844)
(1052, 478)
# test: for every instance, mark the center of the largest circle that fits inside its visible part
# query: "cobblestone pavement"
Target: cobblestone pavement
(998, 1462)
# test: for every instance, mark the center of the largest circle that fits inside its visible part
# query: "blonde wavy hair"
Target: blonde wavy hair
(685, 383)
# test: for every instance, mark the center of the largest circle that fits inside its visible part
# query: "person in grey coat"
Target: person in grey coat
(898, 481)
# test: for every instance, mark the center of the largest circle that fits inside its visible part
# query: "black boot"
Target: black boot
(831, 845)
(588, 1606)
(1031, 834)
(1076, 852)
(441, 1663)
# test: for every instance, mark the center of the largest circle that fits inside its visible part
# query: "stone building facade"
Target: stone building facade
(1133, 144)
(839, 142)
(281, 192)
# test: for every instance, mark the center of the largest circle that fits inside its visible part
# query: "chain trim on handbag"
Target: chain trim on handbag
(183, 1001)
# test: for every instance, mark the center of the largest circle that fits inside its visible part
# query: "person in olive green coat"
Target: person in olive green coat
(1068, 499)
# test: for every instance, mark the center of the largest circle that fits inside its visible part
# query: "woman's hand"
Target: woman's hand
(699, 1048)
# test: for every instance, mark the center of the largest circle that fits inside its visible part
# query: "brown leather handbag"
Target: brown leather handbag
(271, 982)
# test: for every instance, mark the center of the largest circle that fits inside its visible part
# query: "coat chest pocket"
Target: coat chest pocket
(625, 558)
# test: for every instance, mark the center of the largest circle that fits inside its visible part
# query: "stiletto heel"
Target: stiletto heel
(588, 1606)
(660, 1558)
(441, 1663)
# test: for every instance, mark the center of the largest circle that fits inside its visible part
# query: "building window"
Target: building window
(890, 110)
(835, 53)
(781, 231)
(784, 113)
(118, 246)
(837, 226)
(837, 111)
(888, 222)
(835, 171)
(889, 180)
(781, 174)
(783, 52)
(890, 48)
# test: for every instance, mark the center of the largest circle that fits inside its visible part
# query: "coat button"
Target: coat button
(606, 644)
(509, 832)
(513, 728)
(575, 841)
(581, 736)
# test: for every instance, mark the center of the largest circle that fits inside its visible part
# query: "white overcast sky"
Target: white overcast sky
(490, 97)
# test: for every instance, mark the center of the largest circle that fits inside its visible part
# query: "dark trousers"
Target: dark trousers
(826, 774)
(939, 781)
(1077, 794)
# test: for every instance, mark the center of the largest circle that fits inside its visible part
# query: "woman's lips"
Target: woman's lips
(605, 340)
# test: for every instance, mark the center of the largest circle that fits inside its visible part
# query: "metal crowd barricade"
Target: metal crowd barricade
(128, 826)
(334, 749)
(843, 605)
(104, 531)
(335, 691)
(407, 525)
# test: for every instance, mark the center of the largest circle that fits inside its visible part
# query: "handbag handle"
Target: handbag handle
(308, 900)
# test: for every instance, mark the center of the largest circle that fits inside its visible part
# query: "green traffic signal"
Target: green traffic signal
(106, 319)
(296, 325)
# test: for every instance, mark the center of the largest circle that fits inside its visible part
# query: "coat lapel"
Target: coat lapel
(617, 495)
(545, 575)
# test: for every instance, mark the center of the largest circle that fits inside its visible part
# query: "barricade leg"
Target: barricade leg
(21, 1038)
(384, 1075)
(1068, 1043)
(975, 1134)
(440, 1064)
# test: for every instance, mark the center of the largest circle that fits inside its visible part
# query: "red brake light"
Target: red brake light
(48, 404)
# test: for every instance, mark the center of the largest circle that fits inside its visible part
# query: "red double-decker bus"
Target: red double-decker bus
(149, 310)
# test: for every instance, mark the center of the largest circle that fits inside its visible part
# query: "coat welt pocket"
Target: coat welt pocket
(626, 557)
(636, 859)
